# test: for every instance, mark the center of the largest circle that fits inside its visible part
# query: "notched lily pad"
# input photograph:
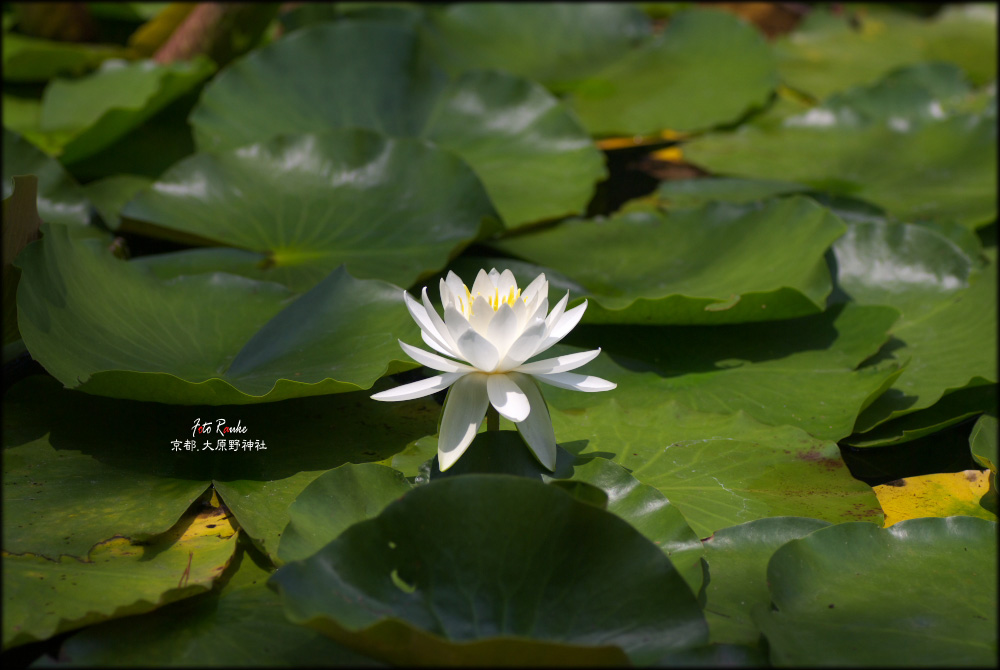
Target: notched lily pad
(472, 569)
(109, 328)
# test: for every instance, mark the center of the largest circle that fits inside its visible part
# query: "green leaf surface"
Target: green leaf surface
(529, 151)
(827, 53)
(28, 58)
(943, 159)
(797, 372)
(696, 192)
(243, 624)
(333, 502)
(737, 561)
(556, 44)
(457, 561)
(44, 597)
(662, 84)
(921, 593)
(95, 110)
(386, 209)
(60, 199)
(105, 326)
(301, 438)
(110, 194)
(718, 263)
(983, 442)
(642, 506)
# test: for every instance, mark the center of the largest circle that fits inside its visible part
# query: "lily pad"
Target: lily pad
(451, 572)
(106, 327)
(921, 593)
(557, 44)
(827, 53)
(532, 156)
(386, 209)
(803, 372)
(941, 494)
(983, 442)
(243, 624)
(718, 263)
(737, 560)
(44, 597)
(333, 502)
(60, 199)
(27, 58)
(91, 112)
(834, 147)
(705, 69)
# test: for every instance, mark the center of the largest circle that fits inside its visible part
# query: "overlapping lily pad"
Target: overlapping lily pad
(827, 53)
(532, 156)
(941, 494)
(921, 593)
(44, 597)
(243, 624)
(89, 113)
(305, 204)
(983, 442)
(471, 560)
(107, 327)
(661, 84)
(718, 263)
(28, 58)
(737, 560)
(838, 147)
(60, 198)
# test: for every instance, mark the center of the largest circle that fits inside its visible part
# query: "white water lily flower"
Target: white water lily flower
(494, 329)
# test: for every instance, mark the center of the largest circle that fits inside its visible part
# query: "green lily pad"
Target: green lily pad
(333, 502)
(60, 199)
(532, 156)
(119, 578)
(801, 372)
(936, 147)
(983, 442)
(28, 58)
(157, 446)
(696, 192)
(662, 84)
(949, 347)
(718, 263)
(557, 44)
(451, 572)
(827, 53)
(110, 194)
(642, 506)
(737, 560)
(921, 593)
(106, 327)
(386, 209)
(91, 112)
(244, 624)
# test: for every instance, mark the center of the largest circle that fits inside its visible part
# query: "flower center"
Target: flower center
(495, 299)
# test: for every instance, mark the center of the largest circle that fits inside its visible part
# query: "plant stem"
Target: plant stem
(492, 419)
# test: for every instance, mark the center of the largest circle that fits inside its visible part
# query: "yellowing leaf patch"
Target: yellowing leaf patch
(938, 495)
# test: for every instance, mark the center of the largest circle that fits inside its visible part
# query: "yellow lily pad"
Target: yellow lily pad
(938, 495)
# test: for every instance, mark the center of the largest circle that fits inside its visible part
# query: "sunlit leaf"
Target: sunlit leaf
(937, 495)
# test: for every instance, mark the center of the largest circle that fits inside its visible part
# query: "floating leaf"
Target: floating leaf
(983, 442)
(43, 597)
(921, 593)
(456, 561)
(935, 147)
(28, 58)
(60, 198)
(662, 84)
(937, 495)
(529, 151)
(107, 327)
(737, 561)
(387, 209)
(718, 263)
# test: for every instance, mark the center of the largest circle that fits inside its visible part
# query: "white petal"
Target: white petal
(482, 314)
(442, 330)
(464, 409)
(483, 285)
(559, 329)
(508, 399)
(505, 282)
(575, 382)
(419, 389)
(524, 346)
(559, 363)
(456, 323)
(557, 311)
(419, 314)
(503, 329)
(478, 351)
(436, 346)
(433, 360)
(538, 284)
(536, 429)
